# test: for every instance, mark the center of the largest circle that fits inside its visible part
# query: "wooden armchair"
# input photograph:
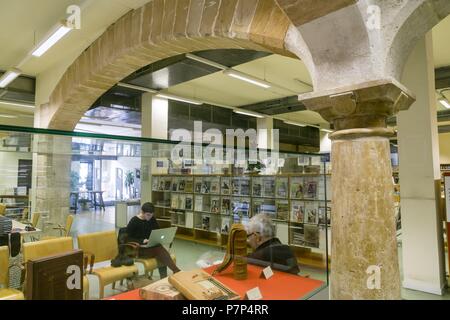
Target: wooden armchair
(5, 292)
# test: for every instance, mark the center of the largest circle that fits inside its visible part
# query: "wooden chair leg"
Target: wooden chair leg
(114, 285)
(101, 291)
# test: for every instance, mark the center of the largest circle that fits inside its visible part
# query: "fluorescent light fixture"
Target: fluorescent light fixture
(445, 103)
(139, 88)
(51, 40)
(327, 130)
(247, 113)
(206, 61)
(177, 98)
(247, 78)
(18, 104)
(9, 77)
(296, 124)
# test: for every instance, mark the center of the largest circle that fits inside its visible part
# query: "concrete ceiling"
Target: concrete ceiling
(24, 22)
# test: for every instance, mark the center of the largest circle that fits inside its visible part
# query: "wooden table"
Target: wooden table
(20, 227)
(282, 286)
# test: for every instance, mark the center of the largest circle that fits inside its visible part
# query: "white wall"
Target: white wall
(325, 142)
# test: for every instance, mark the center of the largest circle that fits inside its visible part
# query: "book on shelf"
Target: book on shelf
(182, 201)
(167, 185)
(162, 183)
(297, 211)
(198, 203)
(245, 187)
(241, 207)
(174, 185)
(155, 183)
(225, 228)
(283, 209)
(311, 212)
(264, 206)
(311, 236)
(181, 219)
(174, 201)
(235, 185)
(206, 187)
(226, 206)
(206, 221)
(189, 188)
(297, 188)
(189, 203)
(324, 215)
(198, 187)
(225, 186)
(281, 187)
(215, 186)
(298, 236)
(182, 185)
(215, 205)
(269, 187)
(310, 188)
(257, 187)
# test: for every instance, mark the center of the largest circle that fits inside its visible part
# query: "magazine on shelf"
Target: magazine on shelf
(181, 219)
(198, 187)
(264, 206)
(310, 188)
(245, 187)
(324, 215)
(283, 209)
(297, 188)
(182, 202)
(167, 185)
(269, 187)
(206, 186)
(241, 207)
(215, 205)
(215, 186)
(175, 185)
(189, 203)
(155, 183)
(281, 187)
(182, 185)
(235, 185)
(297, 212)
(311, 212)
(199, 203)
(225, 186)
(175, 201)
(257, 187)
(311, 236)
(225, 228)
(189, 186)
(206, 221)
(298, 236)
(162, 183)
(226, 206)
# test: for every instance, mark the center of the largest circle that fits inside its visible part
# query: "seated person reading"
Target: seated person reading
(267, 249)
(139, 229)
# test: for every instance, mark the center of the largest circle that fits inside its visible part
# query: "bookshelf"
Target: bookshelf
(204, 207)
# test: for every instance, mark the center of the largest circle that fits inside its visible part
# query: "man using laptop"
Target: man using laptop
(139, 229)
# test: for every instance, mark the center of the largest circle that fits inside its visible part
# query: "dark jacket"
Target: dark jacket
(139, 230)
(276, 255)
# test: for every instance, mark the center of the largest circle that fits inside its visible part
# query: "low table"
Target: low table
(282, 286)
(20, 227)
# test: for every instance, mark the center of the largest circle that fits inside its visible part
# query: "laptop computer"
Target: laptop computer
(161, 237)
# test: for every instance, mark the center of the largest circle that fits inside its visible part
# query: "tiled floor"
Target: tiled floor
(189, 254)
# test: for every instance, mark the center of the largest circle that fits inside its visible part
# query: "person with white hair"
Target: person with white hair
(267, 249)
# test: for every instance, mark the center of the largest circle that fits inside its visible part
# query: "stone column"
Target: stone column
(155, 122)
(364, 261)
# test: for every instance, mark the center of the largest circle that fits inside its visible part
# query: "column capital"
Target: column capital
(364, 105)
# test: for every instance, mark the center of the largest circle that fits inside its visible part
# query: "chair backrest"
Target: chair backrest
(69, 223)
(45, 248)
(25, 214)
(2, 209)
(102, 244)
(4, 266)
(35, 219)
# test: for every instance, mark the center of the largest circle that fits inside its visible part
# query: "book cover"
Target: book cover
(182, 185)
(245, 187)
(282, 209)
(206, 220)
(269, 187)
(311, 212)
(241, 207)
(167, 185)
(189, 203)
(174, 201)
(311, 236)
(215, 205)
(257, 187)
(298, 236)
(155, 183)
(206, 187)
(215, 186)
(161, 185)
(175, 185)
(226, 206)
(297, 212)
(198, 203)
(310, 188)
(182, 202)
(189, 186)
(297, 188)
(235, 185)
(281, 188)
(225, 228)
(225, 186)
(198, 187)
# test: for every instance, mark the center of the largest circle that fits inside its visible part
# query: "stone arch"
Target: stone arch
(160, 29)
